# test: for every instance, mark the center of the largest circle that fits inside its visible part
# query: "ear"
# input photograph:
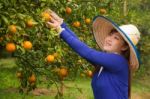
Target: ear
(124, 48)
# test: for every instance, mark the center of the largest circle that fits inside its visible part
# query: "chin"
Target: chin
(106, 49)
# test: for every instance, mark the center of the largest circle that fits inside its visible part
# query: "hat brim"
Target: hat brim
(102, 26)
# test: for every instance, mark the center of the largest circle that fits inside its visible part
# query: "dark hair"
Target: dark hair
(126, 54)
(113, 30)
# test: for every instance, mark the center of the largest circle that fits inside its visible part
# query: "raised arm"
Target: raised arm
(110, 61)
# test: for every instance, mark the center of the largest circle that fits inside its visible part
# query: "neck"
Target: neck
(113, 52)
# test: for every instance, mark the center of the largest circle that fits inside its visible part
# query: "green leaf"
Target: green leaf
(5, 19)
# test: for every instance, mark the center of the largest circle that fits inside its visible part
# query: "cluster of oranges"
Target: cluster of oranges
(11, 47)
(77, 23)
(86, 20)
(62, 72)
(31, 78)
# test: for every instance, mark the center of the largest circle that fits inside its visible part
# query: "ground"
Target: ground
(78, 89)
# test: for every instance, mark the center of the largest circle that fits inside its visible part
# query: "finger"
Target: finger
(54, 16)
(51, 24)
(53, 20)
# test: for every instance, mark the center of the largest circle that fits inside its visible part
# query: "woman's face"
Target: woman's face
(114, 43)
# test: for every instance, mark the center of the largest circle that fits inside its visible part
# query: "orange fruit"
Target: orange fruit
(27, 44)
(68, 10)
(89, 73)
(12, 28)
(29, 23)
(87, 20)
(76, 24)
(10, 47)
(19, 75)
(103, 11)
(32, 78)
(63, 72)
(46, 16)
(50, 58)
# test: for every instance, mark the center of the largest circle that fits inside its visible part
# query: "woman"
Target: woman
(111, 79)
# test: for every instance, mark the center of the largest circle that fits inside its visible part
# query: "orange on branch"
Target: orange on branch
(12, 28)
(89, 73)
(87, 20)
(63, 72)
(68, 10)
(32, 78)
(30, 23)
(10, 47)
(76, 24)
(27, 44)
(50, 58)
(46, 16)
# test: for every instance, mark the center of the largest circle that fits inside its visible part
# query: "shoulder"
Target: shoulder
(121, 61)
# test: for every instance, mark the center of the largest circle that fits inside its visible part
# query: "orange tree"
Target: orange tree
(38, 50)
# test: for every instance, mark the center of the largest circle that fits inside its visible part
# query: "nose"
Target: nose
(109, 38)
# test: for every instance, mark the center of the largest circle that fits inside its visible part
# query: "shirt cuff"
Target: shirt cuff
(59, 30)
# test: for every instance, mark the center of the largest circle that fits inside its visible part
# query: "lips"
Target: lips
(107, 44)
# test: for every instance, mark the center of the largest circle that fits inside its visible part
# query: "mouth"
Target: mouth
(107, 44)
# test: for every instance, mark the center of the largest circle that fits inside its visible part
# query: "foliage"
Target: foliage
(23, 20)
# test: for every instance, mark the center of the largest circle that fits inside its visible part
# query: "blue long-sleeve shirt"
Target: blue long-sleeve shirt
(113, 80)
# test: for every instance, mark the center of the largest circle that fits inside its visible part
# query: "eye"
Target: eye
(116, 37)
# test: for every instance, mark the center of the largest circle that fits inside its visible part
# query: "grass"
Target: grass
(79, 89)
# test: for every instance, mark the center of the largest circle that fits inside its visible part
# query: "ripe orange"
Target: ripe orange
(50, 58)
(12, 28)
(10, 47)
(29, 23)
(27, 44)
(68, 10)
(63, 72)
(89, 73)
(87, 20)
(46, 16)
(76, 24)
(32, 78)
(103, 11)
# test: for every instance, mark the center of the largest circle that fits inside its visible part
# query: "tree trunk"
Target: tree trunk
(125, 8)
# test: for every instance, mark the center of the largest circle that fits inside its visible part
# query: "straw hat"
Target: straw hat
(102, 26)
